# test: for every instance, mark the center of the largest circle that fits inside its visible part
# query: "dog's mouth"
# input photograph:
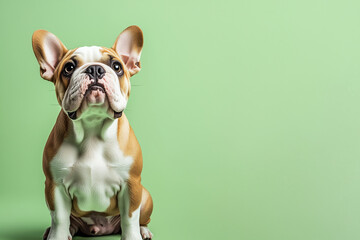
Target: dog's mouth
(93, 87)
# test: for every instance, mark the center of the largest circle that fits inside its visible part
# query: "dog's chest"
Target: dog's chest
(91, 172)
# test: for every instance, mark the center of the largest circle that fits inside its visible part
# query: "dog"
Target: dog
(92, 160)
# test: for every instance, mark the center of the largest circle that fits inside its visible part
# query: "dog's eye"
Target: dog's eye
(117, 67)
(69, 68)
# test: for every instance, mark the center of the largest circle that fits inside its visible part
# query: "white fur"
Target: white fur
(129, 224)
(93, 170)
(60, 221)
(89, 54)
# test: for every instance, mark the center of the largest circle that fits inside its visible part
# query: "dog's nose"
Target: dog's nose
(95, 72)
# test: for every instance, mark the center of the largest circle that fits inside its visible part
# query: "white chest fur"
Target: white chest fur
(92, 171)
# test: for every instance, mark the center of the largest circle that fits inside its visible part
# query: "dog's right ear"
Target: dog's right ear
(48, 50)
(128, 46)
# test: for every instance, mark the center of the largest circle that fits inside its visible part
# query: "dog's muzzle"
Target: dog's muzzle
(95, 72)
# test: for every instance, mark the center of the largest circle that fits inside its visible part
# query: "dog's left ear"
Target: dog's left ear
(128, 46)
(48, 50)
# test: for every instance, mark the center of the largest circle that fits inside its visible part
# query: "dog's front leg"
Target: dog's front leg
(129, 199)
(60, 216)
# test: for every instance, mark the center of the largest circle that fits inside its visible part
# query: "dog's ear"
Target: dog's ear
(128, 46)
(48, 50)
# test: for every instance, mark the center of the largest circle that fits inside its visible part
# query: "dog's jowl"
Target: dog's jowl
(92, 160)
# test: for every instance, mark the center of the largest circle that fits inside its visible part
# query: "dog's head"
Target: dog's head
(90, 78)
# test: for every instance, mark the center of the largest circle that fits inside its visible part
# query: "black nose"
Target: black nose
(95, 72)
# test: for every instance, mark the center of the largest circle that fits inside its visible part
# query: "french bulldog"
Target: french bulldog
(92, 160)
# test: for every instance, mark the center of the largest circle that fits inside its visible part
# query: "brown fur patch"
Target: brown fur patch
(57, 135)
(124, 80)
(130, 146)
(146, 208)
(61, 82)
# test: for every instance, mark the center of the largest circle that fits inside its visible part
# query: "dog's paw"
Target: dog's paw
(51, 236)
(134, 235)
(145, 233)
(56, 238)
(47, 231)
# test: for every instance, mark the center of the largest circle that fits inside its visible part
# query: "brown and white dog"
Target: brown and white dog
(92, 160)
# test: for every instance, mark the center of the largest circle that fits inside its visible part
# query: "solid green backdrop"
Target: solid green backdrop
(247, 113)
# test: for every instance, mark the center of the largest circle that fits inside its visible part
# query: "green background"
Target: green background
(247, 113)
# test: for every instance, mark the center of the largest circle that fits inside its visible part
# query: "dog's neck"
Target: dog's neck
(94, 122)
